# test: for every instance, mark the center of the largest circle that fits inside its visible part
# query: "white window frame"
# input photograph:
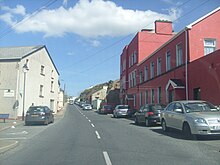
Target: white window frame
(168, 61)
(208, 47)
(152, 70)
(145, 73)
(159, 66)
(179, 55)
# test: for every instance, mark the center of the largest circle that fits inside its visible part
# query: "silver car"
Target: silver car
(193, 118)
(120, 111)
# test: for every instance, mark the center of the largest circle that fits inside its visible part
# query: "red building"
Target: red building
(159, 66)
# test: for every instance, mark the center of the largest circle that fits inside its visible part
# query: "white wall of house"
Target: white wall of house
(35, 79)
(12, 77)
(8, 87)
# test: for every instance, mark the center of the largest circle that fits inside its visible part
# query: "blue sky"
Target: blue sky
(85, 37)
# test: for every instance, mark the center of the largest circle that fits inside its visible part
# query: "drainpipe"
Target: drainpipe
(186, 63)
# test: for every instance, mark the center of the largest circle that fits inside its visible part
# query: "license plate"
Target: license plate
(34, 115)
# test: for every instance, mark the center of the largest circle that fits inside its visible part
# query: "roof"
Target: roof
(20, 52)
(176, 84)
(202, 18)
(12, 53)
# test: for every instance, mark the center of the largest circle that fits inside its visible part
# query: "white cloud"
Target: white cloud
(90, 19)
(18, 10)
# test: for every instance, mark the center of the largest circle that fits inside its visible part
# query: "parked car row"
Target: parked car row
(193, 118)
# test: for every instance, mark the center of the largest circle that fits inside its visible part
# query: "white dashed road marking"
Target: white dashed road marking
(93, 125)
(107, 159)
(97, 134)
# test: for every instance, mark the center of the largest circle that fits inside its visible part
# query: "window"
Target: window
(141, 76)
(152, 96)
(146, 73)
(159, 66)
(124, 65)
(41, 90)
(159, 95)
(179, 55)
(134, 100)
(52, 74)
(152, 70)
(168, 64)
(52, 87)
(135, 57)
(209, 46)
(141, 99)
(197, 94)
(42, 70)
(146, 97)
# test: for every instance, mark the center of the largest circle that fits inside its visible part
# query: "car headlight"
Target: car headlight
(200, 121)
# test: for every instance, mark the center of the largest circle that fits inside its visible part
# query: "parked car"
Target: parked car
(120, 111)
(149, 114)
(39, 114)
(87, 107)
(131, 112)
(193, 118)
(106, 109)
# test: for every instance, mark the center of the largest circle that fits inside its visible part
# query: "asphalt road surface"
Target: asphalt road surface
(87, 138)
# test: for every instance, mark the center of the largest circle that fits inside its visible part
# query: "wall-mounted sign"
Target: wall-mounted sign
(9, 93)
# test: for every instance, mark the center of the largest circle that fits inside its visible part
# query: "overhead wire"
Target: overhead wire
(6, 31)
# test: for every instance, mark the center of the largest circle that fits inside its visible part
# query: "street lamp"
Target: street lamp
(25, 70)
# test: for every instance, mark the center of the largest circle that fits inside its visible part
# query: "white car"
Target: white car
(193, 118)
(87, 107)
(120, 111)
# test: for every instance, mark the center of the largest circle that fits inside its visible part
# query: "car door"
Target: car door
(139, 113)
(144, 111)
(168, 114)
(178, 116)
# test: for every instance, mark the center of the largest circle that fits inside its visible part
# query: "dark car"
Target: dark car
(39, 115)
(149, 114)
(106, 109)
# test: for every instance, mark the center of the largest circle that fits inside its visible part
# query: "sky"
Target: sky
(85, 38)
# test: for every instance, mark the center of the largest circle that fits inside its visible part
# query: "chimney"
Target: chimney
(163, 27)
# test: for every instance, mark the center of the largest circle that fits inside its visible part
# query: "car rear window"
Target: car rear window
(36, 109)
(123, 107)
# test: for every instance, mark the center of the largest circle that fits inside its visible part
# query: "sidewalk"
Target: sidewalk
(6, 144)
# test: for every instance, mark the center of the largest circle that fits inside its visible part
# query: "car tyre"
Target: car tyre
(136, 121)
(164, 126)
(187, 132)
(147, 123)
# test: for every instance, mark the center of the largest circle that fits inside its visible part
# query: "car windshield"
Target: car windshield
(199, 107)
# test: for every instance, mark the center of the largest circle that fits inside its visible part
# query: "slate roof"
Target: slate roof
(20, 52)
(10, 53)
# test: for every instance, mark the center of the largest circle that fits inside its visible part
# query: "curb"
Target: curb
(5, 148)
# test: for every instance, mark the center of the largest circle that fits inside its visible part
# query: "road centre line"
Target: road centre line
(89, 121)
(17, 138)
(97, 134)
(92, 125)
(107, 159)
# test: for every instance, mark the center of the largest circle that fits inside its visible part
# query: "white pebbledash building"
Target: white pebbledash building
(28, 76)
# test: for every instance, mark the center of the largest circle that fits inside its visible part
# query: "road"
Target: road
(85, 137)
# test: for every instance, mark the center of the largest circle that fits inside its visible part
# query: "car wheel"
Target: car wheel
(147, 122)
(46, 122)
(136, 121)
(187, 132)
(164, 126)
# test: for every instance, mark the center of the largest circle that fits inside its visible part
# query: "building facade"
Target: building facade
(183, 67)
(28, 77)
